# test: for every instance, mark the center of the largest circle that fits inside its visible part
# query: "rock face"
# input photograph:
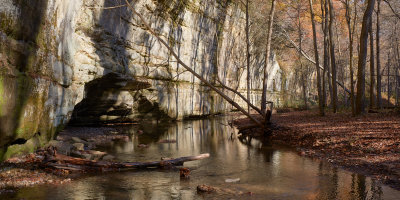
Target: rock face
(62, 59)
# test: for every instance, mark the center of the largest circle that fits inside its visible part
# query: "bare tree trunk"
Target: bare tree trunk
(328, 71)
(397, 73)
(333, 59)
(378, 59)
(320, 97)
(372, 67)
(397, 87)
(324, 20)
(303, 71)
(363, 57)
(248, 53)
(304, 81)
(211, 86)
(306, 56)
(388, 81)
(351, 42)
(391, 8)
(339, 66)
(267, 53)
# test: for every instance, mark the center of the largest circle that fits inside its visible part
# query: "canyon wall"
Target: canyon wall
(87, 62)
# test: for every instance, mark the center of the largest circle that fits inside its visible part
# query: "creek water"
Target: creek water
(265, 171)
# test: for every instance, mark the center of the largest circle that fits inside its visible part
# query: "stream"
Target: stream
(265, 171)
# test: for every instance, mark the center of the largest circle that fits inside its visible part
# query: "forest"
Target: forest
(186, 99)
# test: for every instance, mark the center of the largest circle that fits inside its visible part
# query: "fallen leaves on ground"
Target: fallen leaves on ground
(368, 144)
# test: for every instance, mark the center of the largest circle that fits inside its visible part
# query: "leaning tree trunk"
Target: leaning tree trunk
(267, 53)
(378, 59)
(320, 96)
(333, 59)
(207, 83)
(372, 67)
(362, 58)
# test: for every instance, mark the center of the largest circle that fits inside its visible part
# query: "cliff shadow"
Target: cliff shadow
(20, 43)
(124, 47)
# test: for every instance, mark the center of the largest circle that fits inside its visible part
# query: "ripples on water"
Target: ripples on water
(265, 170)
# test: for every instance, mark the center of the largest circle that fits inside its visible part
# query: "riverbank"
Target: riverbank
(79, 142)
(368, 144)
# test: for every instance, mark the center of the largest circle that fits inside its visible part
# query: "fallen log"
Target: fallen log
(59, 161)
(49, 159)
(207, 189)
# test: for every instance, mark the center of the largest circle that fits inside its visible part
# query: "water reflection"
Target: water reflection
(265, 170)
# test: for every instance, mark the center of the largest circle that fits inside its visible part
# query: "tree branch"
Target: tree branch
(229, 100)
(305, 55)
(394, 12)
(241, 96)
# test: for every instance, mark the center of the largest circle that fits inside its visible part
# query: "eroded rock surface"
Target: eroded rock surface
(54, 54)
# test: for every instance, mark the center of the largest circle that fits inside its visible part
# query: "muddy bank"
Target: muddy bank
(368, 144)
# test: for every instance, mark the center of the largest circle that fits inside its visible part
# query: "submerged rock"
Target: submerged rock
(79, 146)
(232, 180)
(206, 188)
(78, 140)
(184, 172)
(108, 158)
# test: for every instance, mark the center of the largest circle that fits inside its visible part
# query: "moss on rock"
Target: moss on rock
(19, 149)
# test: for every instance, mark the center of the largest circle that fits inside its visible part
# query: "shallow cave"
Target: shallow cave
(114, 98)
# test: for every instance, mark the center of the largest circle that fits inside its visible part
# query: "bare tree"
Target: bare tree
(320, 96)
(324, 21)
(302, 70)
(333, 59)
(207, 83)
(372, 67)
(267, 55)
(378, 58)
(351, 47)
(391, 7)
(363, 57)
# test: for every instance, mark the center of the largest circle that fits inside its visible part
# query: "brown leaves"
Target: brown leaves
(371, 141)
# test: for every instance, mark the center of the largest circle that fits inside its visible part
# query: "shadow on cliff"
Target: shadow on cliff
(207, 55)
(115, 46)
(21, 81)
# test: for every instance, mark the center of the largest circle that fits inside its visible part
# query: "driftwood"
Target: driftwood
(49, 159)
(59, 161)
(207, 189)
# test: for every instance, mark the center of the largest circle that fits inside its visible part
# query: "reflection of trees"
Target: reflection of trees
(153, 132)
(376, 190)
(359, 188)
(263, 147)
(327, 182)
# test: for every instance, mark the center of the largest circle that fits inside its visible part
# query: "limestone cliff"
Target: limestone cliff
(57, 56)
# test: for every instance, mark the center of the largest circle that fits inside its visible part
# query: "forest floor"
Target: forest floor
(368, 144)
